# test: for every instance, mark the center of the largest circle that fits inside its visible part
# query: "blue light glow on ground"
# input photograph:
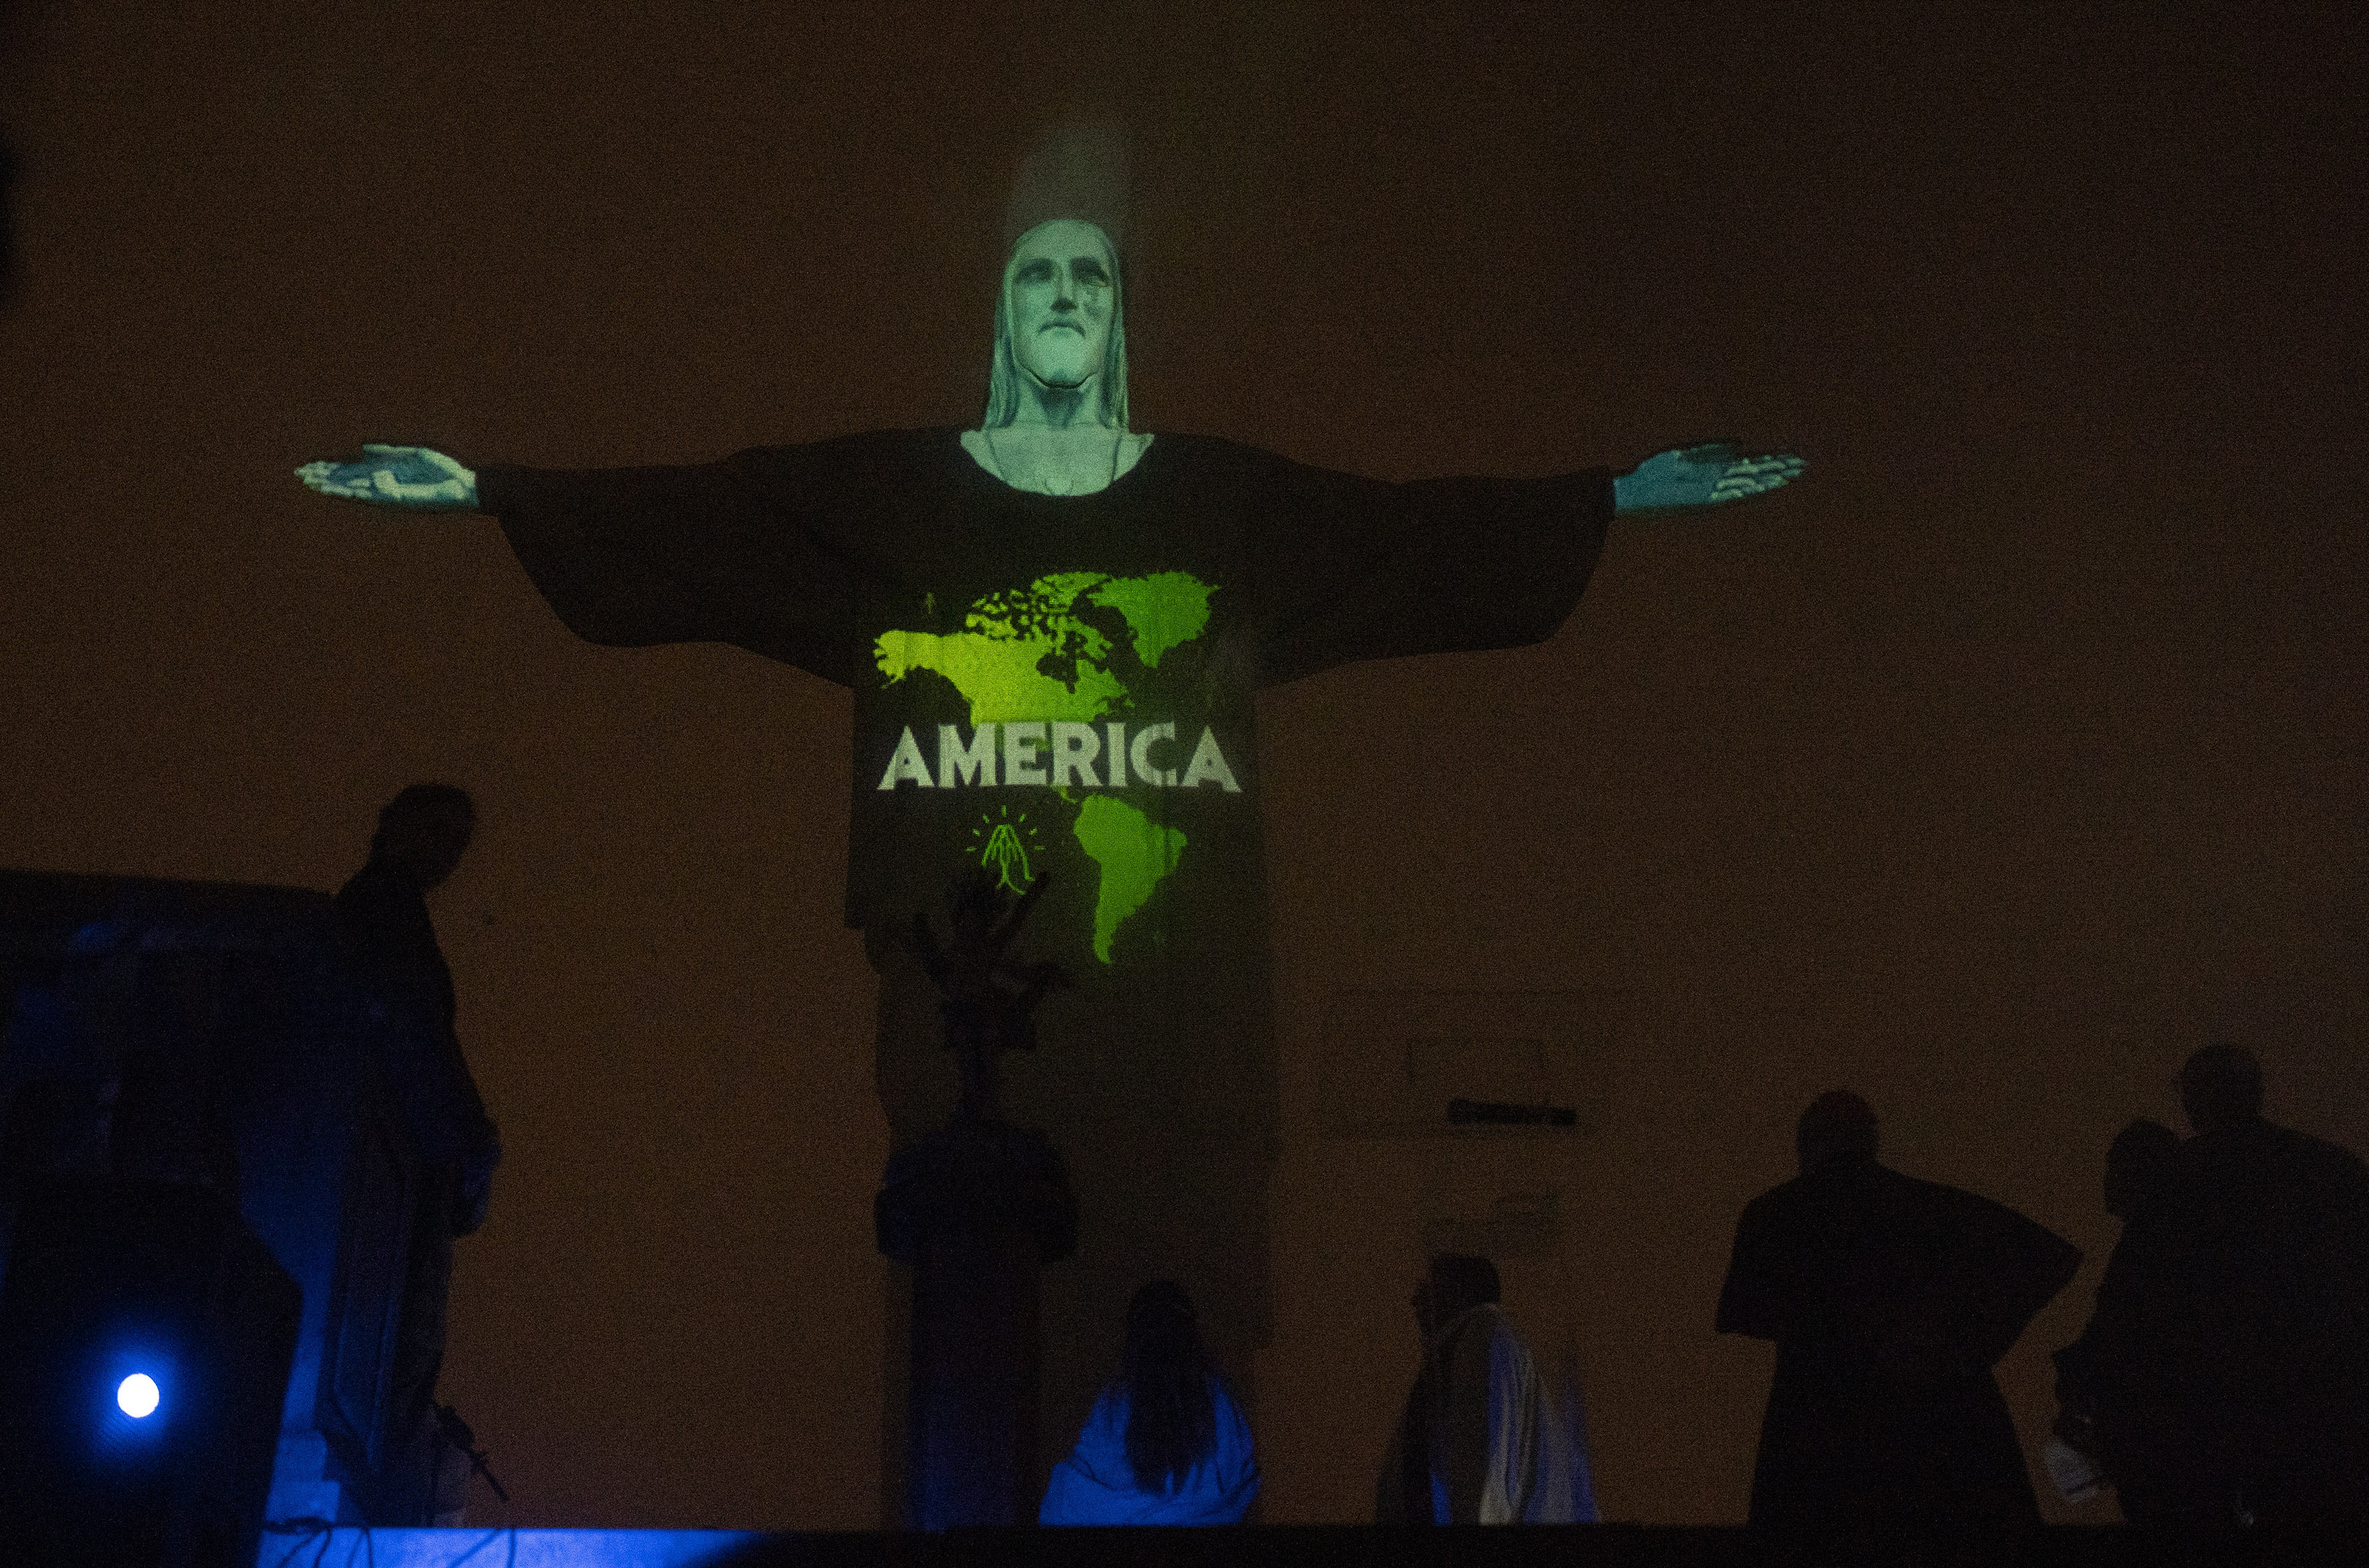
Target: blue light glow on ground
(362, 1548)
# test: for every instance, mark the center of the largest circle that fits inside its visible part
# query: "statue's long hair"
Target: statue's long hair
(1171, 1423)
(1004, 371)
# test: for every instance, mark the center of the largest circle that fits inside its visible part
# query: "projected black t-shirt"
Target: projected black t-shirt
(1054, 685)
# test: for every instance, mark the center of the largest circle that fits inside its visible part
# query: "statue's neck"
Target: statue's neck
(1076, 461)
(1059, 407)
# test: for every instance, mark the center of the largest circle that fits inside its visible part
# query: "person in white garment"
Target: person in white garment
(1484, 1440)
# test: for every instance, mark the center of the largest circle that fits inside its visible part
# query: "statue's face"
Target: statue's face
(1063, 291)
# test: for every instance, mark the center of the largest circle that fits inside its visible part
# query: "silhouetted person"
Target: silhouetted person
(2119, 1421)
(2236, 1308)
(1483, 1441)
(1166, 1444)
(2139, 1164)
(422, 833)
(1890, 1300)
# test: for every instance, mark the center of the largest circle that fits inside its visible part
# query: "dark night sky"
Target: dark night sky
(1990, 771)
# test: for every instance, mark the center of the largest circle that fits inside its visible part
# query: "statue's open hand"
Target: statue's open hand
(397, 477)
(1701, 476)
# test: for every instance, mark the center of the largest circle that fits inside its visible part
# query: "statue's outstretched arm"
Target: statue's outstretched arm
(1703, 475)
(409, 476)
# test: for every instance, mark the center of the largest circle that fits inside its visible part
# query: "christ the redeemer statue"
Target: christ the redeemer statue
(1054, 626)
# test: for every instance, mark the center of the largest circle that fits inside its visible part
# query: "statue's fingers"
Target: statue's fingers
(1756, 475)
(1722, 450)
(1736, 486)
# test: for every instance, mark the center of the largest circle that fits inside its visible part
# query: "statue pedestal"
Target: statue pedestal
(976, 1210)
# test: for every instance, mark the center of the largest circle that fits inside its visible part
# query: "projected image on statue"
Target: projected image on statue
(1042, 664)
(1054, 627)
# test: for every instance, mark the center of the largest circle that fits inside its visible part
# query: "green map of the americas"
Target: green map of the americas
(1026, 655)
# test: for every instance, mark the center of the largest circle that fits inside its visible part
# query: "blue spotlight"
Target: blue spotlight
(136, 1395)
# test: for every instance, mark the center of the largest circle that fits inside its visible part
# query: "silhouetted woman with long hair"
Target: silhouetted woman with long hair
(1166, 1444)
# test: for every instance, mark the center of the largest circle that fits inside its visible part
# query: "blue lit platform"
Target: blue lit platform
(1581, 1546)
(366, 1548)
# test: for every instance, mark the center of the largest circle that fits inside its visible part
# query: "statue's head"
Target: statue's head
(1060, 322)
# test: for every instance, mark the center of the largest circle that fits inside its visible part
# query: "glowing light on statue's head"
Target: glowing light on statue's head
(1060, 322)
(136, 1396)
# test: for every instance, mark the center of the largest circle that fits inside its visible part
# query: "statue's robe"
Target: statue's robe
(1133, 626)
(2229, 1352)
(1890, 1300)
(1095, 1485)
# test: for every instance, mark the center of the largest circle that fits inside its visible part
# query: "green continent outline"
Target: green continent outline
(1133, 853)
(995, 660)
(1162, 609)
(997, 674)
(997, 663)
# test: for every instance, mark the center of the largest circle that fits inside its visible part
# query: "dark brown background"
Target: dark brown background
(1990, 770)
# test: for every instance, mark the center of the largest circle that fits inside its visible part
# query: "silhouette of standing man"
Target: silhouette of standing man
(1483, 1440)
(2236, 1308)
(390, 941)
(2115, 1416)
(1890, 1300)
